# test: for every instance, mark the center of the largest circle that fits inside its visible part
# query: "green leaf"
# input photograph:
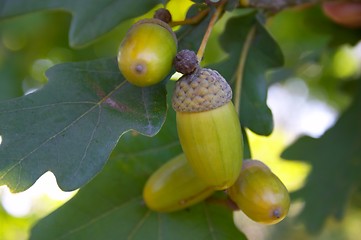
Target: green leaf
(190, 36)
(71, 125)
(91, 18)
(263, 54)
(111, 206)
(10, 84)
(336, 167)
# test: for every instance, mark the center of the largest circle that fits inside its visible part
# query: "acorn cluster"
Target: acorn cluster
(208, 127)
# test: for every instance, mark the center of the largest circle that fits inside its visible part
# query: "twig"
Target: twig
(276, 5)
(213, 20)
(192, 20)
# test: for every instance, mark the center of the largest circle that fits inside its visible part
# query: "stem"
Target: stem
(240, 68)
(276, 5)
(192, 20)
(213, 20)
(226, 202)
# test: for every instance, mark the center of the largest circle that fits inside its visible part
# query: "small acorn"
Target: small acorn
(146, 53)
(260, 194)
(208, 127)
(174, 186)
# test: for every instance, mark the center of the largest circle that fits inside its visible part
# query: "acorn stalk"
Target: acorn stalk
(208, 127)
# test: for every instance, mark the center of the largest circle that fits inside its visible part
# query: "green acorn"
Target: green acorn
(208, 127)
(146, 53)
(174, 186)
(260, 194)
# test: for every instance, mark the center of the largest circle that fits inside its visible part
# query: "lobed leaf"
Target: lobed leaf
(71, 125)
(263, 54)
(111, 205)
(91, 18)
(336, 167)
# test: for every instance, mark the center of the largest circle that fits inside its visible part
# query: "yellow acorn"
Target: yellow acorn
(146, 53)
(260, 194)
(208, 127)
(174, 186)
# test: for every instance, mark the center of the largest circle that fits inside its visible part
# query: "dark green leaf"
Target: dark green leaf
(91, 18)
(247, 154)
(263, 54)
(71, 125)
(190, 36)
(336, 167)
(111, 206)
(10, 84)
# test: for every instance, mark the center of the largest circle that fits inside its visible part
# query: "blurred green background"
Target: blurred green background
(306, 97)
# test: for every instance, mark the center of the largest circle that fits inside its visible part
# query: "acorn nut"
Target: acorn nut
(208, 127)
(174, 186)
(260, 194)
(146, 53)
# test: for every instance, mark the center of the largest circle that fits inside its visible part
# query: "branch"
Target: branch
(276, 5)
(207, 34)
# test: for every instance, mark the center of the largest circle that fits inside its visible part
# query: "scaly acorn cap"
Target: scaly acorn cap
(203, 90)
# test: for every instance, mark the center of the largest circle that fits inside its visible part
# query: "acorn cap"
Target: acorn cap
(203, 90)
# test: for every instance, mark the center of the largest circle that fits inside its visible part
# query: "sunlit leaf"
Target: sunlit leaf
(71, 125)
(336, 165)
(91, 18)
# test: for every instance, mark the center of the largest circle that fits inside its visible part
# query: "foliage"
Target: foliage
(97, 132)
(84, 112)
(117, 193)
(338, 167)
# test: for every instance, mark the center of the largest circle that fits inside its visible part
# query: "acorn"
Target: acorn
(174, 186)
(146, 53)
(208, 127)
(260, 194)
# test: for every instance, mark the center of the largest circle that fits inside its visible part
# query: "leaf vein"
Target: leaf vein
(138, 225)
(60, 132)
(209, 223)
(46, 105)
(94, 220)
(148, 151)
(89, 142)
(146, 103)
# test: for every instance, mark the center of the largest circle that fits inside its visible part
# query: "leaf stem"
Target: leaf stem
(226, 202)
(192, 20)
(207, 34)
(240, 68)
